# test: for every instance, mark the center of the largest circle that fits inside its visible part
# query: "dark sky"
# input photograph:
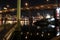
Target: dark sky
(12, 3)
(37, 2)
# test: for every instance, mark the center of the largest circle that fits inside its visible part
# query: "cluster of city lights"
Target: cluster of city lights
(42, 35)
(45, 6)
(7, 10)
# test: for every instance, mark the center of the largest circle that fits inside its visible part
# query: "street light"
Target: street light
(7, 5)
(5, 8)
(26, 4)
(47, 0)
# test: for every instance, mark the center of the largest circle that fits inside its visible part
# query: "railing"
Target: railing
(8, 35)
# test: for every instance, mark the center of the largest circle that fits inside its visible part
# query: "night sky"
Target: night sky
(13, 4)
(37, 2)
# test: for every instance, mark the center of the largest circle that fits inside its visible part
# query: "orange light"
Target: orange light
(27, 8)
(37, 7)
(42, 6)
(0, 11)
(12, 10)
(5, 8)
(48, 7)
(8, 6)
(56, 5)
(47, 0)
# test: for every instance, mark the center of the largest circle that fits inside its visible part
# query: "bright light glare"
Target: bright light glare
(58, 34)
(0, 11)
(26, 4)
(48, 16)
(26, 37)
(52, 19)
(37, 33)
(53, 26)
(5, 8)
(9, 22)
(58, 10)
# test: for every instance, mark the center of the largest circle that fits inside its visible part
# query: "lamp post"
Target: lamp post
(18, 15)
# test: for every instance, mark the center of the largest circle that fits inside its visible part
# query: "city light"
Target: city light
(41, 6)
(7, 5)
(37, 33)
(27, 8)
(49, 7)
(27, 32)
(47, 0)
(0, 11)
(48, 16)
(26, 4)
(48, 34)
(43, 30)
(38, 27)
(5, 8)
(58, 13)
(42, 35)
(26, 37)
(37, 7)
(21, 33)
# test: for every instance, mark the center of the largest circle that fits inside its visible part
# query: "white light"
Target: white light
(58, 10)
(52, 19)
(37, 33)
(58, 34)
(8, 6)
(0, 11)
(48, 34)
(58, 13)
(9, 22)
(21, 33)
(26, 4)
(47, 0)
(5, 8)
(53, 26)
(26, 37)
(42, 35)
(38, 27)
(27, 32)
(48, 16)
